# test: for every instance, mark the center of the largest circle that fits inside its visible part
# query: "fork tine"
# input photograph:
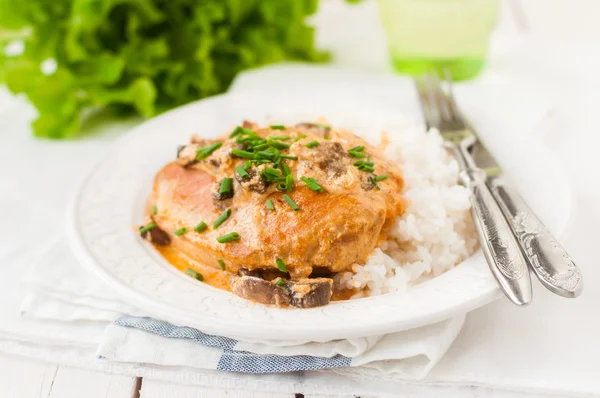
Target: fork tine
(431, 118)
(438, 97)
(454, 111)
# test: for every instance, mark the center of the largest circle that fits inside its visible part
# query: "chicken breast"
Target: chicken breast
(293, 199)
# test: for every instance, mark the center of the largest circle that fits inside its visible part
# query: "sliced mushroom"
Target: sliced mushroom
(157, 236)
(268, 274)
(259, 290)
(329, 157)
(310, 293)
(253, 181)
(302, 293)
(186, 155)
(366, 182)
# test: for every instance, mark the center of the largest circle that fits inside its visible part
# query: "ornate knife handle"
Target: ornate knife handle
(550, 262)
(497, 241)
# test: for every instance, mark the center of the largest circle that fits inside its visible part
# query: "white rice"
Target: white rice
(434, 234)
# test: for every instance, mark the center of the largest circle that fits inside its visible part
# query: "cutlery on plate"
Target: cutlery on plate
(499, 245)
(546, 257)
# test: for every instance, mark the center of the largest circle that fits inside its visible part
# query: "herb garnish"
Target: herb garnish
(147, 228)
(222, 218)
(226, 185)
(230, 237)
(270, 205)
(312, 184)
(357, 152)
(290, 202)
(200, 227)
(180, 231)
(280, 282)
(154, 210)
(241, 171)
(194, 274)
(203, 153)
(243, 154)
(281, 265)
(312, 144)
(300, 137)
(374, 182)
(221, 264)
(278, 127)
(365, 166)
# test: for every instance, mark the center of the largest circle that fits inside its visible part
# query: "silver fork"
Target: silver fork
(498, 243)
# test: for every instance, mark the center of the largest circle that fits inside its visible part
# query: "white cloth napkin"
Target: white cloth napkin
(61, 290)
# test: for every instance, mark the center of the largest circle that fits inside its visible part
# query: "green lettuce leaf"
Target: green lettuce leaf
(141, 56)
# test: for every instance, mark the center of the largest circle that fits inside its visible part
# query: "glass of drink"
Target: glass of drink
(426, 35)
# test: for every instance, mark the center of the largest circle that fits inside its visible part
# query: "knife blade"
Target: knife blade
(546, 257)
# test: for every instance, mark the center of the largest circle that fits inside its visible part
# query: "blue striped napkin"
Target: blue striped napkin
(410, 353)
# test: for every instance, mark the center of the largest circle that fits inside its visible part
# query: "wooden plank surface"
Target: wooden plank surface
(78, 383)
(25, 378)
(161, 389)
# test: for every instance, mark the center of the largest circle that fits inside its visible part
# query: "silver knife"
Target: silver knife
(546, 257)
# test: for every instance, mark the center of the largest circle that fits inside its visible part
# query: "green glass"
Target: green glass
(426, 35)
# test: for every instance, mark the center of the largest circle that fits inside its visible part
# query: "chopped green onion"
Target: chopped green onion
(221, 264)
(381, 177)
(230, 237)
(285, 169)
(240, 130)
(147, 228)
(241, 171)
(194, 274)
(278, 127)
(363, 163)
(278, 145)
(289, 157)
(272, 175)
(180, 231)
(300, 137)
(236, 131)
(281, 265)
(365, 166)
(312, 144)
(279, 137)
(289, 183)
(260, 147)
(243, 154)
(374, 181)
(270, 205)
(280, 282)
(222, 218)
(290, 202)
(272, 154)
(200, 227)
(356, 154)
(312, 184)
(203, 153)
(154, 210)
(226, 185)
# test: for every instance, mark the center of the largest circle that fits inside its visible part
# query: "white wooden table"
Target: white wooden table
(24, 378)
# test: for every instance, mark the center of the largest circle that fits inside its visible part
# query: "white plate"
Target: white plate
(110, 202)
